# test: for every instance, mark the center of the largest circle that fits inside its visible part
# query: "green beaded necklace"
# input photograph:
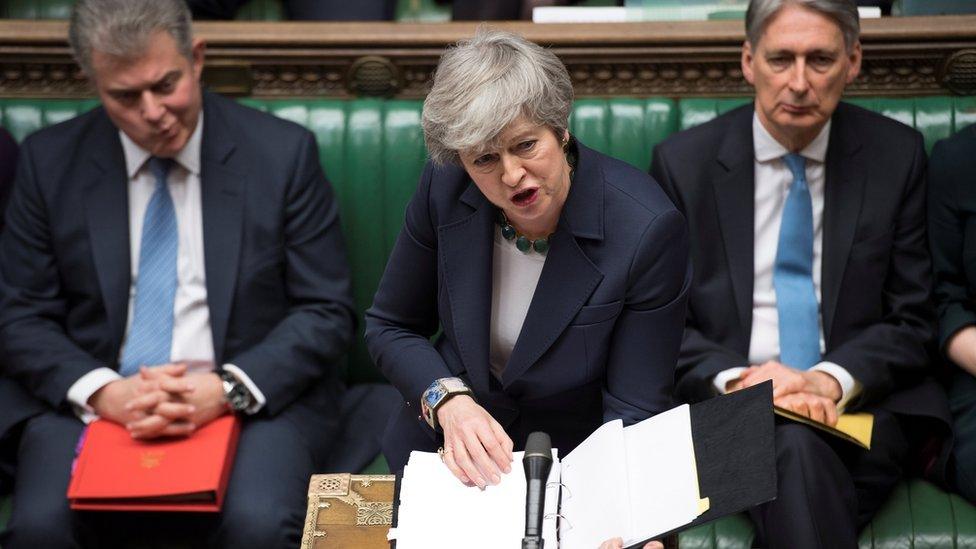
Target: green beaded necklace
(522, 242)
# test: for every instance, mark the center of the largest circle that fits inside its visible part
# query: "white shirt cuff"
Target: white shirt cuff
(259, 399)
(82, 390)
(722, 378)
(849, 387)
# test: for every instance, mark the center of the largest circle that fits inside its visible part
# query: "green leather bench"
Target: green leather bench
(372, 151)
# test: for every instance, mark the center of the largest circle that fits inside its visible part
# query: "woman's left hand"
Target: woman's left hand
(617, 543)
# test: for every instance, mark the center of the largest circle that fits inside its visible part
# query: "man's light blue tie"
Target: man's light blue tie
(796, 299)
(151, 333)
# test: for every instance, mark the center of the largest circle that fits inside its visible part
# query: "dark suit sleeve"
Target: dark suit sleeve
(320, 320)
(404, 312)
(948, 215)
(8, 165)
(647, 335)
(701, 358)
(39, 354)
(893, 350)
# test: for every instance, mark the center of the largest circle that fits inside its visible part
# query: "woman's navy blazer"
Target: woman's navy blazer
(601, 336)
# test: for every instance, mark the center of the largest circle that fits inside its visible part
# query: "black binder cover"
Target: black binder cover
(735, 452)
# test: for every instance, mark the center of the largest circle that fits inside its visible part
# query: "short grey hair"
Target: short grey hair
(842, 12)
(484, 84)
(122, 28)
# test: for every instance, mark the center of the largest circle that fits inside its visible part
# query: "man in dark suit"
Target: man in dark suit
(169, 258)
(811, 269)
(8, 164)
(952, 238)
(15, 404)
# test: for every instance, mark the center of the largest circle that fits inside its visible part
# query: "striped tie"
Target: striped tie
(151, 332)
(796, 299)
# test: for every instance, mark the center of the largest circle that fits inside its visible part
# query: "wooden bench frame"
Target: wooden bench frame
(903, 56)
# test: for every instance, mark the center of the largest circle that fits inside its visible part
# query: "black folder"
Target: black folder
(735, 452)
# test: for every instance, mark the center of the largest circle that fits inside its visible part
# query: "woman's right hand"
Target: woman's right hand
(476, 448)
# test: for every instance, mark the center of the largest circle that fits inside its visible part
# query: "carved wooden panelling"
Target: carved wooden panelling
(902, 56)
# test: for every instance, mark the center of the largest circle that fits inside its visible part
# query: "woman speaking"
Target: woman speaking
(553, 276)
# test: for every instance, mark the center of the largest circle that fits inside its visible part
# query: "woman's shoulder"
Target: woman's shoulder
(630, 192)
(446, 182)
(444, 194)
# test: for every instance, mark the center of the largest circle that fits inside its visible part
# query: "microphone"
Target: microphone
(537, 462)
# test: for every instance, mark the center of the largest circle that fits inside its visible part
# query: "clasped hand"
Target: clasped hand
(161, 401)
(810, 393)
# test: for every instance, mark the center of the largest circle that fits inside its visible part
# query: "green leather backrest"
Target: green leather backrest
(372, 151)
(23, 116)
(936, 117)
(35, 9)
(256, 10)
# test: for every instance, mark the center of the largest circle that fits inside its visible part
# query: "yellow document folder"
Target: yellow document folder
(854, 428)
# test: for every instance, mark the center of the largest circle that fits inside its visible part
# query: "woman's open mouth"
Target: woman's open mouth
(526, 197)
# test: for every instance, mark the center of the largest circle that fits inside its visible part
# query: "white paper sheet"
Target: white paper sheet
(663, 478)
(437, 511)
(595, 473)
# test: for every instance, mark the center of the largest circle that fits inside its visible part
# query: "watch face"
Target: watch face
(238, 397)
(434, 395)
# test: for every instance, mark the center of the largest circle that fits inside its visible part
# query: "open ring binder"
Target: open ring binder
(564, 489)
(559, 523)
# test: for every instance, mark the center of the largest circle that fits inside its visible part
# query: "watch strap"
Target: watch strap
(439, 392)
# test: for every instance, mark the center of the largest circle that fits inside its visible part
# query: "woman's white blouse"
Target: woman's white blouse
(514, 276)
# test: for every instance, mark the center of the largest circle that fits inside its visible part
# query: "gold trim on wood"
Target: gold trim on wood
(902, 56)
(325, 490)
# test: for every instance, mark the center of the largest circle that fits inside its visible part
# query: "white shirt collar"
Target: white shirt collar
(767, 148)
(188, 157)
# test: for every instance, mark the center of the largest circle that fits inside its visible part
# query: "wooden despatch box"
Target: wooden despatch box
(347, 511)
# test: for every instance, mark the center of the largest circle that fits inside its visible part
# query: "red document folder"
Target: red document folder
(115, 472)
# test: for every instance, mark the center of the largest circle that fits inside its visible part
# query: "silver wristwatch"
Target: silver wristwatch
(239, 398)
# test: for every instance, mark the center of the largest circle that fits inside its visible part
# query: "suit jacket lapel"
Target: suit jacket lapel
(734, 182)
(465, 253)
(568, 277)
(843, 194)
(222, 184)
(107, 211)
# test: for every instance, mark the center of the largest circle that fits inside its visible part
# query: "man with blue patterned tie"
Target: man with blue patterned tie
(811, 268)
(171, 257)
